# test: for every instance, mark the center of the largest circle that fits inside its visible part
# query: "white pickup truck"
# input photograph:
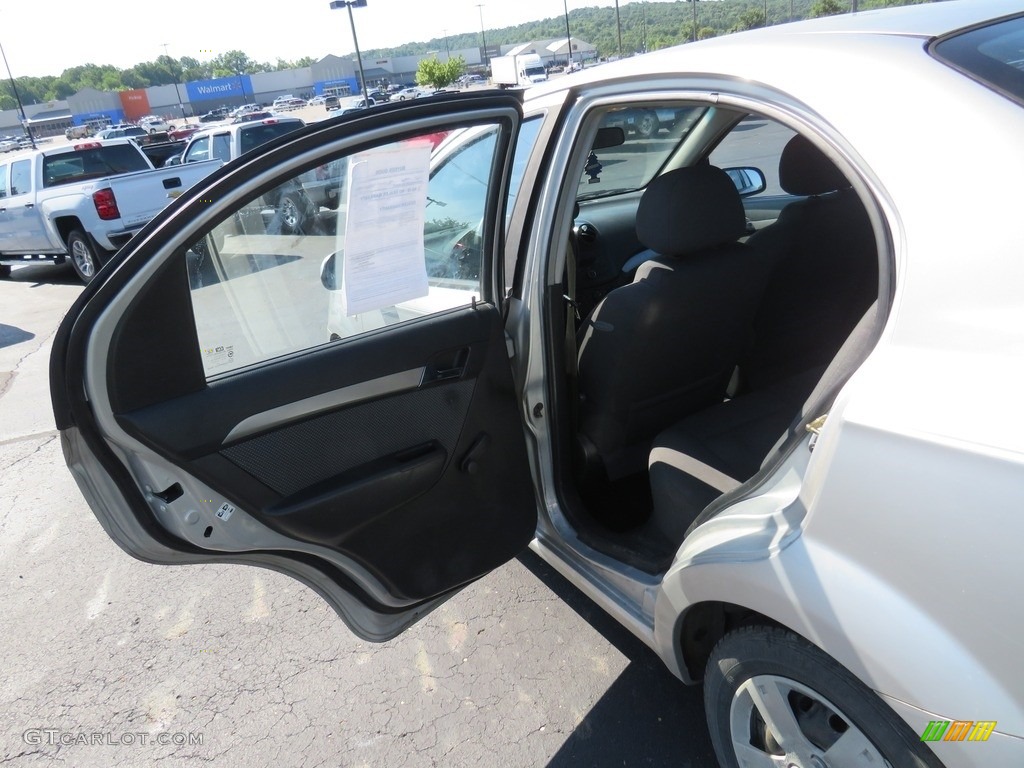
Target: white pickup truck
(84, 200)
(312, 190)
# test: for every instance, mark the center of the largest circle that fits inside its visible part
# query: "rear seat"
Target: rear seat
(824, 281)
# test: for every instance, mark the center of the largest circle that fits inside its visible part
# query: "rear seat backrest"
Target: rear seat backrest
(825, 274)
(666, 344)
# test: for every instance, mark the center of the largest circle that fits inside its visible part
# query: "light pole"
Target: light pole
(176, 91)
(643, 26)
(483, 37)
(618, 27)
(694, 4)
(350, 4)
(17, 98)
(568, 35)
(447, 49)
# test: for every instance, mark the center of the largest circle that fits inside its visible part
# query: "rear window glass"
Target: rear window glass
(992, 54)
(252, 136)
(92, 163)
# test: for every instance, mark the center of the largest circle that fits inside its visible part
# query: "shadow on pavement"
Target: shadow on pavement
(647, 716)
(44, 273)
(11, 335)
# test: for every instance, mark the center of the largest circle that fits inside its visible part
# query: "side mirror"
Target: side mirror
(329, 277)
(748, 181)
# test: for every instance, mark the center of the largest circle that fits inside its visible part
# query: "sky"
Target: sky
(125, 32)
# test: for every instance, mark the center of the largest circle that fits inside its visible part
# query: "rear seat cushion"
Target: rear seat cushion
(713, 451)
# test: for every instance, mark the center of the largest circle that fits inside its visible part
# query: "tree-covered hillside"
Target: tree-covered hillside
(644, 26)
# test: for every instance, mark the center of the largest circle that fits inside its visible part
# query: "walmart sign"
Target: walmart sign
(235, 87)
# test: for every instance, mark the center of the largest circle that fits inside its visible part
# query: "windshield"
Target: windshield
(651, 134)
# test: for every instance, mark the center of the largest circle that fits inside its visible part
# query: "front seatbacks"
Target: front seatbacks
(826, 272)
(665, 345)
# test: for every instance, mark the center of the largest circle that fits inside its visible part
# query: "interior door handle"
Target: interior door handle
(447, 365)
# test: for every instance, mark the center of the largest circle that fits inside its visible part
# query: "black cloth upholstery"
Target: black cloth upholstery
(823, 282)
(804, 170)
(666, 345)
(731, 438)
(825, 272)
(688, 210)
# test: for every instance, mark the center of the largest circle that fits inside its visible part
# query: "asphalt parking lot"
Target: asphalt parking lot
(110, 662)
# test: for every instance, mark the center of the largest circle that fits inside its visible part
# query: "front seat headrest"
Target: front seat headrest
(690, 209)
(804, 170)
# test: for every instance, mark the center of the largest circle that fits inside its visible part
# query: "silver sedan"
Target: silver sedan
(721, 332)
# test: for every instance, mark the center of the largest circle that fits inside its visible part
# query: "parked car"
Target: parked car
(183, 131)
(154, 124)
(245, 109)
(78, 132)
(214, 115)
(122, 131)
(228, 142)
(761, 427)
(249, 117)
(316, 101)
(288, 103)
(406, 93)
(81, 202)
(331, 102)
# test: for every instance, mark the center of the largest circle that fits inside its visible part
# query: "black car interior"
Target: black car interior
(693, 372)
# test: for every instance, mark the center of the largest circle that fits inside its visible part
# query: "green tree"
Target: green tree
(193, 69)
(752, 18)
(439, 74)
(233, 63)
(827, 8)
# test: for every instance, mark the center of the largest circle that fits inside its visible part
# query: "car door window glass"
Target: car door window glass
(3, 181)
(755, 142)
(222, 147)
(199, 150)
(270, 278)
(21, 173)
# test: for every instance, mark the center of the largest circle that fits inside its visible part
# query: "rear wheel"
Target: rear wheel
(773, 699)
(83, 255)
(292, 213)
(647, 125)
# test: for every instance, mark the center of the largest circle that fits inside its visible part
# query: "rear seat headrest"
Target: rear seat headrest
(690, 209)
(804, 170)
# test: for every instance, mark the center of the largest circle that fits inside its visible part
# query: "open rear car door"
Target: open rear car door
(302, 365)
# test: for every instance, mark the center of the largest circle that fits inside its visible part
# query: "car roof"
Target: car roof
(238, 126)
(746, 55)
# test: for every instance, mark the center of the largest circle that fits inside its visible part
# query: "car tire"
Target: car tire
(292, 216)
(5, 271)
(82, 255)
(647, 125)
(819, 713)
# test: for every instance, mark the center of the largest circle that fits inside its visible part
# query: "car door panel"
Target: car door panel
(385, 470)
(342, 478)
